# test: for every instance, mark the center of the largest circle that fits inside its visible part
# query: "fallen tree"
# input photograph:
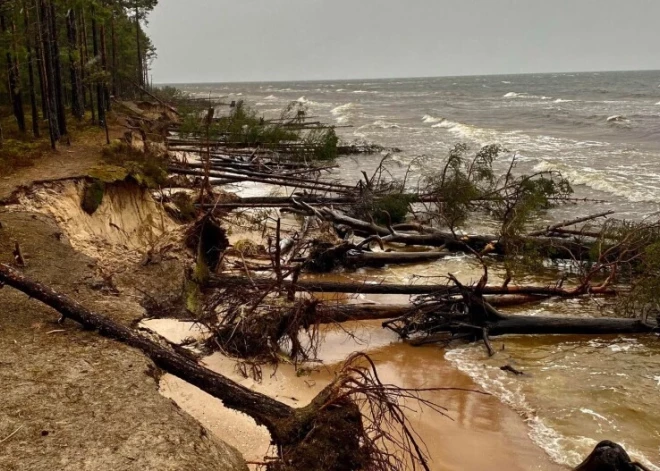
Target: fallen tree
(328, 434)
(446, 317)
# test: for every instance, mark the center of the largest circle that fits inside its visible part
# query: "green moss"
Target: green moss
(16, 154)
(93, 196)
(146, 168)
(108, 173)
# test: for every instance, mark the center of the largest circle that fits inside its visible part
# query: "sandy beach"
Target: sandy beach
(479, 431)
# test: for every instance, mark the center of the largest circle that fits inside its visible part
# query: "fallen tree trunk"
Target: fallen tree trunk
(382, 288)
(330, 426)
(265, 410)
(547, 247)
(380, 259)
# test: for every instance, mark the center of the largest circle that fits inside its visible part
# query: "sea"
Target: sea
(599, 130)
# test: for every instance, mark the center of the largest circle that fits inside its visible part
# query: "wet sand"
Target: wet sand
(480, 433)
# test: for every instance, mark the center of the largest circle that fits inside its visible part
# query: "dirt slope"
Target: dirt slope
(77, 401)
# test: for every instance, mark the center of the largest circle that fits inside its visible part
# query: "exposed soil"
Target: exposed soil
(73, 400)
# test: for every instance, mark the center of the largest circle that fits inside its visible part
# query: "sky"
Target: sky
(278, 40)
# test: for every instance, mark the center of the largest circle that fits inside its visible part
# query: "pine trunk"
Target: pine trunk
(76, 89)
(46, 70)
(14, 79)
(140, 73)
(30, 62)
(57, 73)
(99, 88)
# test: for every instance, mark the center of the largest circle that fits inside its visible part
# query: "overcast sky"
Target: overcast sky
(269, 40)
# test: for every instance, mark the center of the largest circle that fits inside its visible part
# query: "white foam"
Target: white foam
(561, 100)
(271, 97)
(431, 119)
(616, 119)
(385, 125)
(601, 181)
(506, 82)
(595, 415)
(342, 109)
(513, 95)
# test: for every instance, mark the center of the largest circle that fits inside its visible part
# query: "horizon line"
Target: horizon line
(403, 78)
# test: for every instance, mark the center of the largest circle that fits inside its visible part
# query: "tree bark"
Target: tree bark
(77, 106)
(57, 73)
(31, 82)
(99, 88)
(43, 22)
(14, 80)
(138, 43)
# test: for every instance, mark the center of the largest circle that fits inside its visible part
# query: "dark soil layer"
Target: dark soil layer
(72, 400)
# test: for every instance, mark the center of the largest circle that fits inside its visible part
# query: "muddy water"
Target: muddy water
(576, 391)
(473, 419)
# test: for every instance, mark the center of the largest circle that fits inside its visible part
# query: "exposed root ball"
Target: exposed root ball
(209, 238)
(259, 332)
(332, 442)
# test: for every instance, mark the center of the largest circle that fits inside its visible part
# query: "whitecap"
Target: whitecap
(506, 82)
(617, 119)
(561, 100)
(271, 97)
(431, 119)
(513, 95)
(342, 109)
(600, 180)
(385, 125)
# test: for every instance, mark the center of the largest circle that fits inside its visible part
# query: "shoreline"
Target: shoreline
(475, 419)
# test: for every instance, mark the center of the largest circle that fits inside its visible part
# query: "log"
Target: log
(567, 325)
(380, 259)
(571, 222)
(265, 410)
(219, 282)
(547, 247)
(271, 180)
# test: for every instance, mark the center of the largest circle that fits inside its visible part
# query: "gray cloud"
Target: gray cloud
(254, 40)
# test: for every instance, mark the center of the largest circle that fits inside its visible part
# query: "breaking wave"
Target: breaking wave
(605, 180)
(382, 125)
(431, 119)
(343, 113)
